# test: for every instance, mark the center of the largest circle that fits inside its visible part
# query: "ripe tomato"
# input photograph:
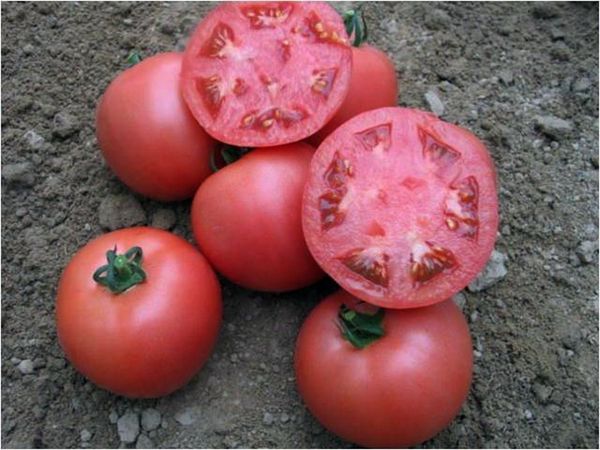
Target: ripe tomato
(373, 85)
(148, 136)
(264, 74)
(404, 385)
(246, 219)
(151, 338)
(400, 208)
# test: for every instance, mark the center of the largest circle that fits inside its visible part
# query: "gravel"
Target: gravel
(26, 367)
(185, 417)
(268, 418)
(34, 140)
(586, 251)
(128, 427)
(144, 442)
(164, 219)
(85, 435)
(64, 125)
(150, 419)
(18, 174)
(553, 127)
(120, 211)
(436, 105)
(494, 271)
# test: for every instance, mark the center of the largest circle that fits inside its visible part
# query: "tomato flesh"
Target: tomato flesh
(262, 74)
(400, 208)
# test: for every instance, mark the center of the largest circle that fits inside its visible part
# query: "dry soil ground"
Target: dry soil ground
(522, 76)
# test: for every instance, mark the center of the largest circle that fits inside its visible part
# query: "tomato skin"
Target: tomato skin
(151, 339)
(399, 391)
(373, 84)
(147, 134)
(246, 220)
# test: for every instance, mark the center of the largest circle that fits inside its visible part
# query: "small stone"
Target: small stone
(506, 76)
(128, 427)
(18, 174)
(34, 140)
(594, 160)
(268, 418)
(474, 316)
(436, 106)
(528, 414)
(85, 435)
(28, 49)
(15, 360)
(164, 219)
(120, 211)
(557, 33)
(284, 418)
(460, 300)
(185, 417)
(144, 442)
(582, 85)
(26, 367)
(113, 417)
(553, 127)
(586, 251)
(437, 20)
(167, 28)
(55, 363)
(150, 419)
(64, 125)
(542, 392)
(494, 271)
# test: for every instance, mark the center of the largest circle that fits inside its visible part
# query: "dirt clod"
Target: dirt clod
(120, 211)
(128, 427)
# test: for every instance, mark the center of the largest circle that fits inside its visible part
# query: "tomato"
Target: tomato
(246, 219)
(373, 85)
(265, 74)
(404, 380)
(153, 328)
(147, 134)
(400, 208)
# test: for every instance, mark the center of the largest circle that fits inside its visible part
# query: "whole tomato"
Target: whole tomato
(138, 311)
(148, 136)
(246, 220)
(383, 378)
(373, 81)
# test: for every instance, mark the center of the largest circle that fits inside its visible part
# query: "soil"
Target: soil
(523, 77)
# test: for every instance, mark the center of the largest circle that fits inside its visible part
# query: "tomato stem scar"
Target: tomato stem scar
(122, 271)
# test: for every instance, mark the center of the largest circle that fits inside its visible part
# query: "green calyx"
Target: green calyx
(133, 58)
(360, 329)
(225, 155)
(356, 26)
(122, 271)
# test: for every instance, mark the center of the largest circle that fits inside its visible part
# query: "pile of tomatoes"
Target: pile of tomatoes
(299, 163)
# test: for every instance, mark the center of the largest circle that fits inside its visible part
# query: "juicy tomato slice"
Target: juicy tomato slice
(400, 208)
(263, 74)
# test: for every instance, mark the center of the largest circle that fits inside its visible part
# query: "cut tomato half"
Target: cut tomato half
(264, 74)
(400, 207)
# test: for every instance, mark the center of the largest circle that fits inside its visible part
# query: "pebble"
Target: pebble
(528, 414)
(150, 419)
(268, 418)
(164, 219)
(120, 211)
(64, 125)
(26, 367)
(544, 10)
(582, 85)
(28, 49)
(34, 140)
(460, 300)
(18, 173)
(557, 34)
(436, 106)
(285, 418)
(586, 251)
(553, 126)
(506, 76)
(144, 442)
(113, 417)
(542, 392)
(185, 417)
(85, 435)
(437, 20)
(128, 427)
(494, 271)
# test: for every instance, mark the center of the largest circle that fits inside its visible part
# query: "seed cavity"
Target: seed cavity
(428, 260)
(331, 213)
(377, 138)
(461, 209)
(221, 42)
(211, 91)
(370, 263)
(320, 31)
(270, 117)
(267, 15)
(336, 177)
(437, 153)
(322, 81)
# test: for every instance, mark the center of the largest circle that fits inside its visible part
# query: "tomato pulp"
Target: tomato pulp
(264, 74)
(397, 391)
(151, 338)
(400, 208)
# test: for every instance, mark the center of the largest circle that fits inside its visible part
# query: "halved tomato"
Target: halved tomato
(400, 208)
(264, 74)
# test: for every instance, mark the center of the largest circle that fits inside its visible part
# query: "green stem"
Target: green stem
(356, 25)
(133, 58)
(227, 154)
(122, 271)
(360, 329)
